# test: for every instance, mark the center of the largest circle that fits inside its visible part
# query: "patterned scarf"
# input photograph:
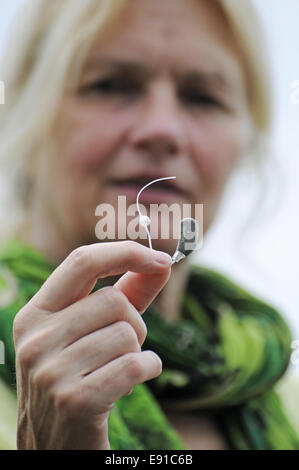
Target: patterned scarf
(223, 357)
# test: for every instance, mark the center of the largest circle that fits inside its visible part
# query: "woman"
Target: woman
(102, 97)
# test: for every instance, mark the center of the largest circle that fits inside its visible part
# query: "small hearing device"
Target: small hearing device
(188, 229)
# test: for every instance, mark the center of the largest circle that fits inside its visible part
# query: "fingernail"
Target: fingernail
(162, 258)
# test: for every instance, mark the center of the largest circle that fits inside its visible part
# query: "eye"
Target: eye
(114, 86)
(201, 99)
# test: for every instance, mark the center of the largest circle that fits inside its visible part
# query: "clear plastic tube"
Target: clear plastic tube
(138, 207)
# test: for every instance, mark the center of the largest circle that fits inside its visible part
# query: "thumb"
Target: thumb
(141, 289)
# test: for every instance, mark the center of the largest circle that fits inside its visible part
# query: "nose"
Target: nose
(159, 130)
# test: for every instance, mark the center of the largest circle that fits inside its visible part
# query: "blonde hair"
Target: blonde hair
(57, 35)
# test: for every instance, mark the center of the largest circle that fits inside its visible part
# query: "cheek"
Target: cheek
(90, 137)
(86, 136)
(217, 144)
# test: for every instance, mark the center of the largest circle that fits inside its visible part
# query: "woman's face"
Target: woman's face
(162, 94)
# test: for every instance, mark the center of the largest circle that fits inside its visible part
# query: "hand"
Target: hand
(77, 353)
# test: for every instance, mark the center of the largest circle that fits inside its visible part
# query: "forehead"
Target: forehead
(171, 34)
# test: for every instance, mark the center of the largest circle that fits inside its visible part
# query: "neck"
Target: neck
(169, 300)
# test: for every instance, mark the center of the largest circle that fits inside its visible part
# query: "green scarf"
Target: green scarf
(222, 357)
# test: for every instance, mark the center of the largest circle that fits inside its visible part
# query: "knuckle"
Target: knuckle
(143, 332)
(31, 349)
(117, 298)
(130, 245)
(45, 377)
(126, 334)
(158, 361)
(18, 324)
(135, 250)
(28, 353)
(67, 399)
(121, 307)
(79, 258)
(89, 391)
(22, 321)
(134, 367)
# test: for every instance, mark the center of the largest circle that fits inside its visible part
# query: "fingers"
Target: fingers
(141, 289)
(59, 330)
(98, 348)
(87, 353)
(96, 311)
(106, 385)
(76, 276)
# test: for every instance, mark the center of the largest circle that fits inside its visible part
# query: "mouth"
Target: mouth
(160, 191)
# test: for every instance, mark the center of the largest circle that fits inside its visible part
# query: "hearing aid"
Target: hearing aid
(188, 239)
(188, 229)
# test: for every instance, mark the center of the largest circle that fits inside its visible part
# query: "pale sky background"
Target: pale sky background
(269, 265)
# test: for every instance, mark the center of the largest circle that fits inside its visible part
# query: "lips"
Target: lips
(136, 182)
(157, 193)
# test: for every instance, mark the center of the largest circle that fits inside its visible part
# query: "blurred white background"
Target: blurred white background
(268, 260)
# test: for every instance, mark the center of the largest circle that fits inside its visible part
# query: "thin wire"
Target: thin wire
(149, 237)
(137, 202)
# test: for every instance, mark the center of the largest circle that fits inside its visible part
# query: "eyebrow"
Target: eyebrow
(120, 65)
(136, 68)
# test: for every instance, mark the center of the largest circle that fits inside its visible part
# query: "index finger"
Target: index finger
(77, 275)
